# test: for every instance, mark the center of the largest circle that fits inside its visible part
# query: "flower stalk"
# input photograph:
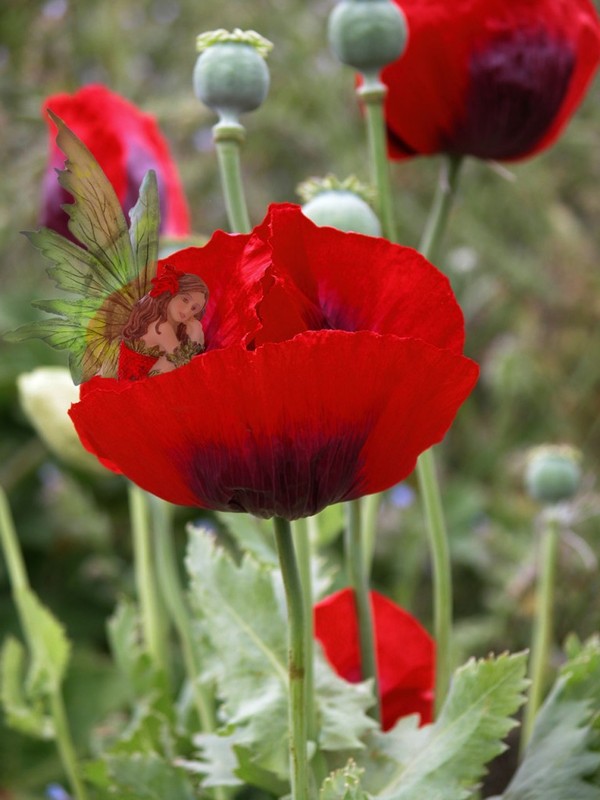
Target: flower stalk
(426, 467)
(359, 580)
(426, 471)
(298, 717)
(542, 630)
(177, 607)
(146, 579)
(303, 554)
(20, 588)
(372, 93)
(228, 138)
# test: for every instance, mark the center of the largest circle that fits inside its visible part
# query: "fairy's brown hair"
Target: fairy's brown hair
(150, 309)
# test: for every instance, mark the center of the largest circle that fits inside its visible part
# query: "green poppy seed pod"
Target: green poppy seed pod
(553, 474)
(343, 210)
(231, 76)
(367, 34)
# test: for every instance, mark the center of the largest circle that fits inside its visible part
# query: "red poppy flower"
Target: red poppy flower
(405, 653)
(126, 143)
(489, 78)
(332, 360)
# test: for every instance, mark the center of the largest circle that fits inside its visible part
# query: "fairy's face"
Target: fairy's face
(185, 306)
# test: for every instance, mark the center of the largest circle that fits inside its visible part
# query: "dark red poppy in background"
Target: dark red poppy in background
(126, 143)
(332, 360)
(405, 653)
(496, 79)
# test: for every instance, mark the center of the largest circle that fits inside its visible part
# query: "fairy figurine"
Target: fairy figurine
(164, 329)
(125, 321)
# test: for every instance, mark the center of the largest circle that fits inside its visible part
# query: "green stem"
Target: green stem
(370, 510)
(145, 577)
(12, 553)
(442, 572)
(426, 469)
(359, 581)
(372, 93)
(303, 554)
(440, 210)
(65, 744)
(20, 587)
(177, 606)
(228, 137)
(296, 659)
(542, 630)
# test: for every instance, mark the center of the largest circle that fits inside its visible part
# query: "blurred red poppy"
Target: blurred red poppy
(489, 78)
(332, 360)
(405, 653)
(126, 143)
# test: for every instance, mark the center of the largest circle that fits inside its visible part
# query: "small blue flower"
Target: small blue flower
(55, 791)
(401, 495)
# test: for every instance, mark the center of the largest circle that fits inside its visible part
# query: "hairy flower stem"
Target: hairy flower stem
(359, 581)
(177, 607)
(542, 627)
(372, 93)
(442, 572)
(303, 555)
(426, 469)
(296, 659)
(19, 582)
(228, 137)
(442, 203)
(146, 579)
(370, 509)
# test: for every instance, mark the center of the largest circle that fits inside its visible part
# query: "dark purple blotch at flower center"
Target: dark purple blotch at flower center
(285, 476)
(517, 85)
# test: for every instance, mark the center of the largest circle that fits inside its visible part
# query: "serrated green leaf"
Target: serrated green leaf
(343, 784)
(49, 647)
(562, 758)
(148, 776)
(224, 761)
(245, 620)
(132, 660)
(341, 708)
(251, 534)
(22, 714)
(445, 760)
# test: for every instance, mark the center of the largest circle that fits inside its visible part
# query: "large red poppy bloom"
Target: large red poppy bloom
(495, 79)
(333, 359)
(126, 143)
(405, 653)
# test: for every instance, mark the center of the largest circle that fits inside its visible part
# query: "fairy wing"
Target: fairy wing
(108, 274)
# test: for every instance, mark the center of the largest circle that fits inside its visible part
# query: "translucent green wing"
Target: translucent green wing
(96, 218)
(108, 274)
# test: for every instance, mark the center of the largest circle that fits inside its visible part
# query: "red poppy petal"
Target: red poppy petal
(405, 652)
(286, 429)
(126, 143)
(351, 282)
(489, 78)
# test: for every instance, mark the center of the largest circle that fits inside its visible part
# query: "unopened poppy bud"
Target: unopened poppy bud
(46, 395)
(367, 34)
(553, 473)
(231, 76)
(339, 204)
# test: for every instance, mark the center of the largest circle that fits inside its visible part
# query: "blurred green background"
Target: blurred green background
(522, 253)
